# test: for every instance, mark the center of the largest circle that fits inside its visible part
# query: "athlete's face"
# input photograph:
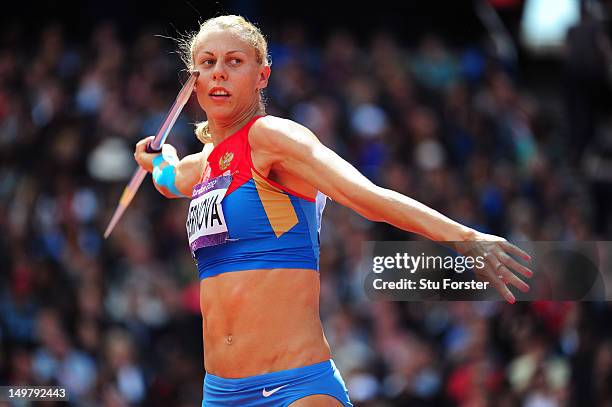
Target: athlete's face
(230, 76)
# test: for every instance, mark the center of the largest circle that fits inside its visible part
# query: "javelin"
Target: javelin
(154, 147)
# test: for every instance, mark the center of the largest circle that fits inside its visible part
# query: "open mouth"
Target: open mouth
(219, 93)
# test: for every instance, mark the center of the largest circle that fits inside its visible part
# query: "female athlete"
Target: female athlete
(253, 229)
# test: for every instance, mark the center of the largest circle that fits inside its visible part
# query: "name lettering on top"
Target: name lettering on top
(204, 213)
(206, 224)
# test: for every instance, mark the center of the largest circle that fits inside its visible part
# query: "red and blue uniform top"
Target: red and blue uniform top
(241, 220)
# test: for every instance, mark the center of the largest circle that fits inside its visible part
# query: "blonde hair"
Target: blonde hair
(247, 31)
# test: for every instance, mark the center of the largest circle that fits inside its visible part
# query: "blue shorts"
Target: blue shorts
(277, 388)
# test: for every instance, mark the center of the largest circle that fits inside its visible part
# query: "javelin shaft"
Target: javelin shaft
(175, 111)
(155, 146)
(126, 198)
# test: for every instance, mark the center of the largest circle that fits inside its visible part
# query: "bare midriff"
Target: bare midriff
(261, 321)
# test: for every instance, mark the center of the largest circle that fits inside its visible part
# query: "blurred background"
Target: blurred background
(494, 112)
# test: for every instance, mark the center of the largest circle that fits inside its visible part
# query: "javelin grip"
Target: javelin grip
(149, 149)
(158, 140)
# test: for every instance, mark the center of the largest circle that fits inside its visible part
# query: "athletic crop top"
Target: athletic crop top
(240, 220)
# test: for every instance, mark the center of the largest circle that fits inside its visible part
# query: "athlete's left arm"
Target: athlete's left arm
(293, 148)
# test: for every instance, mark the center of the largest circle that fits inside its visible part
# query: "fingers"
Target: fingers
(144, 141)
(500, 286)
(507, 277)
(141, 156)
(512, 264)
(509, 247)
(501, 267)
(498, 275)
(501, 276)
(142, 144)
(505, 266)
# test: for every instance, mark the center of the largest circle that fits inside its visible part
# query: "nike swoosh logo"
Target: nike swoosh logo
(266, 393)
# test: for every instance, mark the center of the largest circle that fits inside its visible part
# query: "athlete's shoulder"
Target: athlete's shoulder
(271, 124)
(272, 133)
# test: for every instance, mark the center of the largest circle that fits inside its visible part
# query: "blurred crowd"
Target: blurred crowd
(117, 321)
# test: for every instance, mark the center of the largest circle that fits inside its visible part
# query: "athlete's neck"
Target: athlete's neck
(220, 129)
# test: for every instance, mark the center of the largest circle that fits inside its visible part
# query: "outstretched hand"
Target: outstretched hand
(500, 268)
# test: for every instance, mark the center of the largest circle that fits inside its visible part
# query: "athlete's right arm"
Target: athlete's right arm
(178, 180)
